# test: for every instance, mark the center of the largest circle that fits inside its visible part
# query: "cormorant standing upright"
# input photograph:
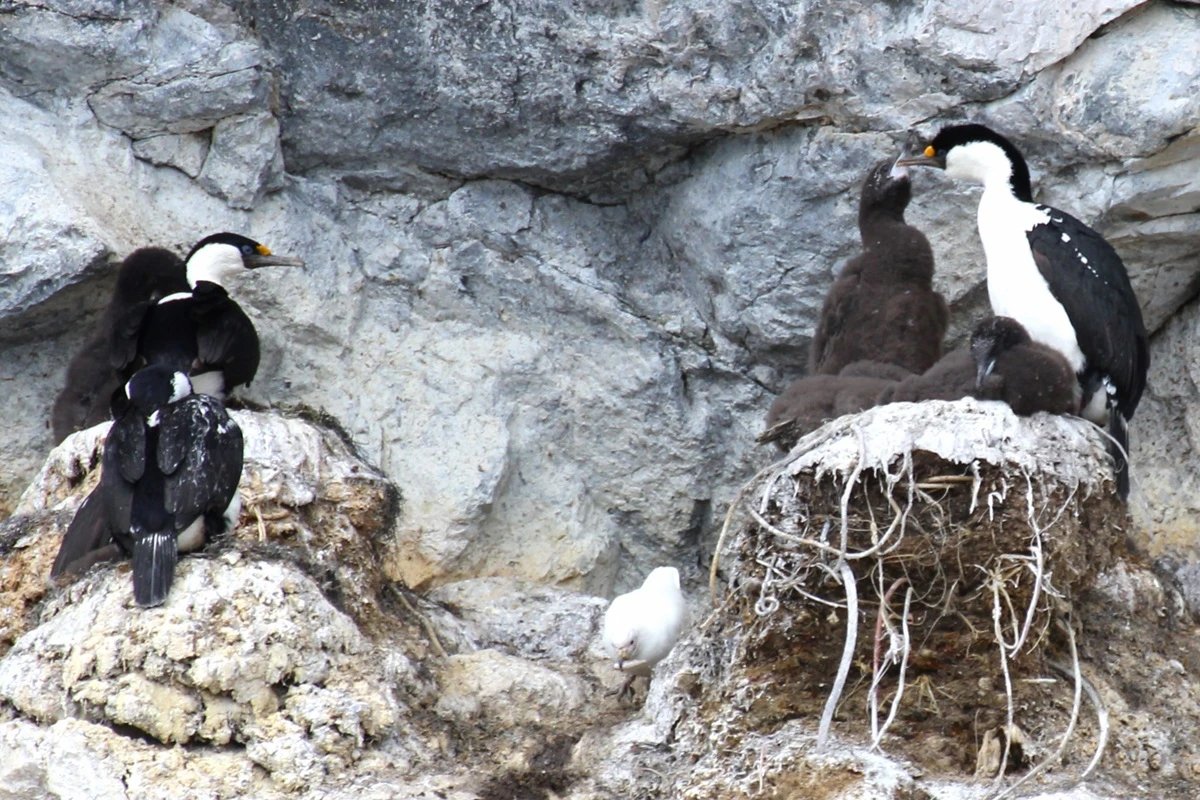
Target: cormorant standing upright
(1056, 276)
(204, 332)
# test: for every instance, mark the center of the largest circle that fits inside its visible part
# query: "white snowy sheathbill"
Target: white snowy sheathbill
(1055, 276)
(168, 481)
(641, 627)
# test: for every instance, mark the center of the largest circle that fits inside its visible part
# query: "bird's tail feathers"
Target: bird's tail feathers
(1118, 447)
(154, 557)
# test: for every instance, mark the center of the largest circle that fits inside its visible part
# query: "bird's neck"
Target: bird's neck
(213, 265)
(879, 228)
(999, 204)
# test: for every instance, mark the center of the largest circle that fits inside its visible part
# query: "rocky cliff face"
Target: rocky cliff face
(561, 256)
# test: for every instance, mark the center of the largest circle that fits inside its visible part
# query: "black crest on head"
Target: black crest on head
(246, 245)
(954, 135)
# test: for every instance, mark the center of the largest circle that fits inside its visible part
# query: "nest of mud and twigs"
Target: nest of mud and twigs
(914, 604)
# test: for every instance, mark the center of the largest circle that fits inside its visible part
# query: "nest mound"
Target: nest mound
(906, 579)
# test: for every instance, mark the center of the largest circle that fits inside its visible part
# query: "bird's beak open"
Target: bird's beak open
(929, 158)
(898, 171)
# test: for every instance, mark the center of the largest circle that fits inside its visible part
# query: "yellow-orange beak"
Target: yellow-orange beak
(928, 158)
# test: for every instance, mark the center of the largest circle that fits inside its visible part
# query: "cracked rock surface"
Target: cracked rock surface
(560, 259)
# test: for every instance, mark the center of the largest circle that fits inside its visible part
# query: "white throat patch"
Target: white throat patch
(981, 162)
(214, 263)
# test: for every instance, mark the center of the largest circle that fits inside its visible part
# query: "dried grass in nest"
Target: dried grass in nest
(932, 594)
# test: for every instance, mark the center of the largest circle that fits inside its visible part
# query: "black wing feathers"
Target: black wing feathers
(200, 454)
(225, 336)
(88, 532)
(1088, 278)
(125, 449)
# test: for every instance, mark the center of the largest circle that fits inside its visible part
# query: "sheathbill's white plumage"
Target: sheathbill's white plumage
(641, 627)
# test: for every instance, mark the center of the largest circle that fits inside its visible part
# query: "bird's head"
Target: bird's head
(156, 386)
(626, 650)
(218, 257)
(976, 153)
(150, 273)
(990, 339)
(664, 579)
(887, 190)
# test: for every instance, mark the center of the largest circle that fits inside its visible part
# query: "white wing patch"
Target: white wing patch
(181, 387)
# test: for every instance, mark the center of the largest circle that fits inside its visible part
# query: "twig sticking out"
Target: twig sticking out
(733, 506)
(1101, 716)
(425, 623)
(1009, 724)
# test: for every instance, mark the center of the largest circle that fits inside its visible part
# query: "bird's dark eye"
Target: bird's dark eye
(247, 250)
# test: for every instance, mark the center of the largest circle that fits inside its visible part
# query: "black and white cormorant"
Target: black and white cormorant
(882, 306)
(1027, 375)
(203, 332)
(144, 277)
(168, 480)
(1056, 276)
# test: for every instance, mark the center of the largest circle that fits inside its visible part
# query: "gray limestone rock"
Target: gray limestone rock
(509, 692)
(194, 76)
(244, 159)
(538, 623)
(68, 47)
(1165, 441)
(185, 151)
(560, 257)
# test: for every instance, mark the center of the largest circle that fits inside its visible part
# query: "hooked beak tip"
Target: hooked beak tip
(982, 373)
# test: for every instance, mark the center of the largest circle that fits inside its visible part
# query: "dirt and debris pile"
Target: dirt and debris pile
(904, 581)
